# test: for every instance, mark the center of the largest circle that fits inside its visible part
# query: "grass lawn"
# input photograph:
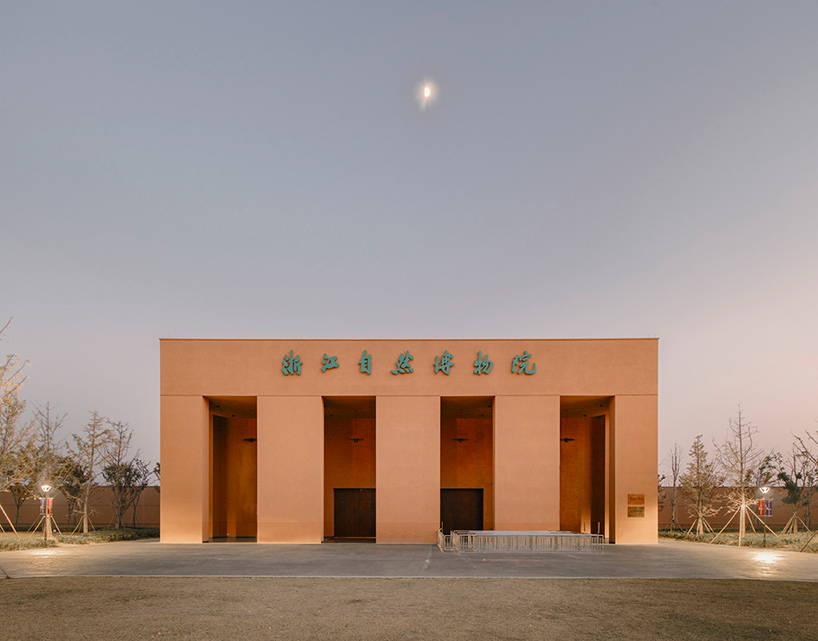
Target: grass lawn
(131, 608)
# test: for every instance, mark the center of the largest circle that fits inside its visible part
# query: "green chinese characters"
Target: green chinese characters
(482, 364)
(444, 363)
(522, 364)
(366, 363)
(402, 365)
(291, 365)
(329, 362)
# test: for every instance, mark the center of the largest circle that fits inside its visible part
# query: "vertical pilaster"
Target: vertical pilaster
(290, 469)
(634, 449)
(184, 511)
(407, 469)
(527, 462)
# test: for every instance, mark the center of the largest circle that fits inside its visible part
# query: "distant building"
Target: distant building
(298, 441)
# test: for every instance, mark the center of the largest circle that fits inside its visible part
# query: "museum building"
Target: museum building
(302, 441)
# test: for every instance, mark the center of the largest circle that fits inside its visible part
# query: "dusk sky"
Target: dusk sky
(265, 170)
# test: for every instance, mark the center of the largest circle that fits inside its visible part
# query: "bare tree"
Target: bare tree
(119, 473)
(141, 479)
(794, 472)
(127, 477)
(699, 483)
(90, 451)
(11, 371)
(38, 459)
(127, 481)
(26, 471)
(16, 454)
(19, 494)
(46, 425)
(15, 433)
(74, 478)
(674, 465)
(660, 491)
(745, 467)
(807, 448)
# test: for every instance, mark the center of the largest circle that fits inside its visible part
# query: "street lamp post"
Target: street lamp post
(763, 512)
(46, 488)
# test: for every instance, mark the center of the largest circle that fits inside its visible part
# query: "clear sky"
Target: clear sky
(264, 170)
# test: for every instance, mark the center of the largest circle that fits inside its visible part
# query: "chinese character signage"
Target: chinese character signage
(482, 364)
(402, 364)
(329, 362)
(291, 364)
(443, 363)
(366, 363)
(522, 364)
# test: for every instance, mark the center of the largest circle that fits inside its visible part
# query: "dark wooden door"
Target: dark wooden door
(461, 509)
(354, 513)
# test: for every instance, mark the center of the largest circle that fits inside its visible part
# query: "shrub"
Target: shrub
(25, 543)
(110, 535)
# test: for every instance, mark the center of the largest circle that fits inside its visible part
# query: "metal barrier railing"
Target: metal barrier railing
(444, 542)
(518, 541)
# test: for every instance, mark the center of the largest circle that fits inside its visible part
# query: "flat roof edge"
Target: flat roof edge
(449, 338)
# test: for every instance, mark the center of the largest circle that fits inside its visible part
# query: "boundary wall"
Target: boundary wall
(102, 515)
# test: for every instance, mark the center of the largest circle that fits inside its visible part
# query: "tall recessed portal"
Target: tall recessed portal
(349, 467)
(233, 496)
(466, 463)
(583, 468)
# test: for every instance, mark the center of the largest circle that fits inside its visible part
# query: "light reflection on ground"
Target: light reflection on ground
(767, 562)
(46, 552)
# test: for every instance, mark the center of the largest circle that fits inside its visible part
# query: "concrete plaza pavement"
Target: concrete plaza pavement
(668, 559)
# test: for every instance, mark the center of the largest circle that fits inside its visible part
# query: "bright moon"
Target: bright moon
(427, 94)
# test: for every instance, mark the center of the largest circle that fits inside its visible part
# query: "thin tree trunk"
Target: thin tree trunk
(85, 511)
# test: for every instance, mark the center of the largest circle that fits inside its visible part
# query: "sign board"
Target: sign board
(636, 505)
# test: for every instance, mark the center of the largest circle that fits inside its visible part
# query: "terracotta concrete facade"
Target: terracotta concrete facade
(298, 441)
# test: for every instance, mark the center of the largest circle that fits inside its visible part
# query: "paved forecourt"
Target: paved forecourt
(668, 559)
